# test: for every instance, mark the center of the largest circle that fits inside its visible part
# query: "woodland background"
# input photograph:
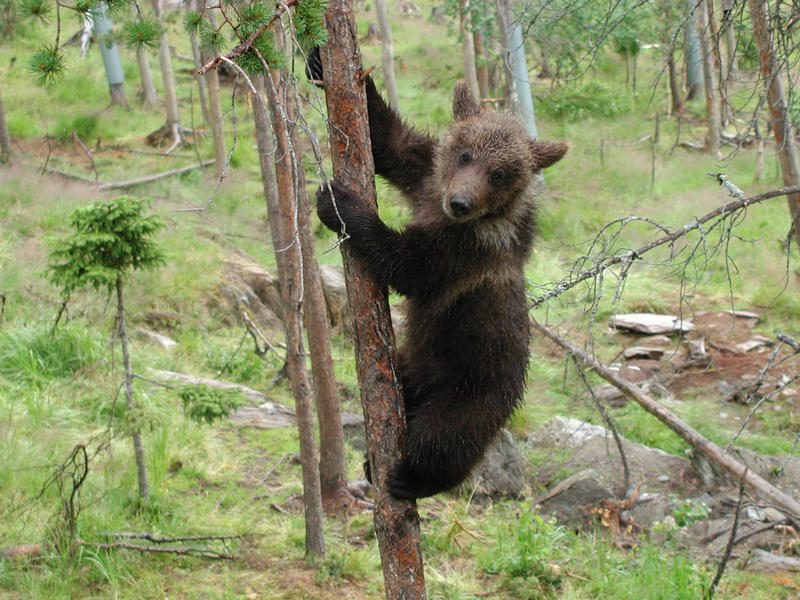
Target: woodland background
(668, 109)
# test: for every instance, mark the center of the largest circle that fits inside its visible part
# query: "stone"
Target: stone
(501, 471)
(650, 323)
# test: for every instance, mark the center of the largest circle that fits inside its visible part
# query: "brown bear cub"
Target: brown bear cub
(459, 263)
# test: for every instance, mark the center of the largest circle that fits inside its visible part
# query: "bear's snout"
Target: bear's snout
(460, 206)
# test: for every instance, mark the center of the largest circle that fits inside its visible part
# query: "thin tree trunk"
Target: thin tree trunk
(481, 64)
(674, 86)
(138, 449)
(694, 57)
(396, 522)
(110, 52)
(468, 48)
(198, 62)
(5, 139)
(387, 55)
(215, 110)
(516, 66)
(148, 89)
(170, 95)
(712, 97)
(728, 31)
(279, 191)
(776, 99)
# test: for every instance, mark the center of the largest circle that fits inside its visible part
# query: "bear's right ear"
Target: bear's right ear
(464, 104)
(547, 153)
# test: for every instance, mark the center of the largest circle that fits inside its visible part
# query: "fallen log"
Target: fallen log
(754, 482)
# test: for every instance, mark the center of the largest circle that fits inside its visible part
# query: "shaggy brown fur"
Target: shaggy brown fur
(459, 263)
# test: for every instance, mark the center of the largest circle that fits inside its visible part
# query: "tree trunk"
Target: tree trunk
(170, 96)
(5, 139)
(110, 51)
(396, 522)
(468, 48)
(481, 64)
(694, 57)
(215, 110)
(387, 55)
(712, 97)
(138, 450)
(198, 62)
(732, 71)
(516, 66)
(279, 186)
(674, 86)
(776, 99)
(148, 89)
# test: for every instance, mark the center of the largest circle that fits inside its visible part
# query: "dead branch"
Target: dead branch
(247, 44)
(731, 541)
(116, 185)
(761, 487)
(629, 256)
(86, 152)
(198, 551)
(128, 535)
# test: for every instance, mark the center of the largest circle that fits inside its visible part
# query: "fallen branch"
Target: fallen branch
(757, 484)
(631, 255)
(130, 535)
(116, 185)
(199, 551)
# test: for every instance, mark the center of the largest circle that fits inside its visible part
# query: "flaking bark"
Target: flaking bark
(396, 522)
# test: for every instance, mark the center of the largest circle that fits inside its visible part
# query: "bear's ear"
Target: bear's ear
(547, 153)
(464, 104)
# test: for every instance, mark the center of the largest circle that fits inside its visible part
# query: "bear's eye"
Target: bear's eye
(465, 158)
(496, 177)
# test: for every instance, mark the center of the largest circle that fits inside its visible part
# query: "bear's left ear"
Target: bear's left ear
(464, 104)
(547, 153)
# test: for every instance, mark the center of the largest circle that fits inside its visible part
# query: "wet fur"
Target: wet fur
(465, 355)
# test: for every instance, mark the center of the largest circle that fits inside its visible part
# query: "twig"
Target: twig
(85, 151)
(731, 540)
(631, 255)
(247, 44)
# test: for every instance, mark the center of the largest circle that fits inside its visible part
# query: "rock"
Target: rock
(767, 561)
(757, 341)
(501, 471)
(265, 416)
(151, 336)
(643, 352)
(333, 287)
(777, 469)
(588, 446)
(650, 323)
(570, 504)
(609, 394)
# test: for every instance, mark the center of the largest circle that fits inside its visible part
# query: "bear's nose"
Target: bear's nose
(459, 205)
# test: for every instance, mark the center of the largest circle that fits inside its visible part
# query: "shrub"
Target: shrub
(580, 100)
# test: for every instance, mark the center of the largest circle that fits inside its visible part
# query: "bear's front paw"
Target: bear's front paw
(337, 205)
(404, 485)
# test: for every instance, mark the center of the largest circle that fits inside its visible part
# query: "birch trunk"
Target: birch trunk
(776, 100)
(712, 95)
(387, 55)
(396, 522)
(468, 48)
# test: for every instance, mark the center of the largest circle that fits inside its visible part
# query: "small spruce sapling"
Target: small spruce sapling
(110, 239)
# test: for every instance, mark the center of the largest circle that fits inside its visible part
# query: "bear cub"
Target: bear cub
(459, 263)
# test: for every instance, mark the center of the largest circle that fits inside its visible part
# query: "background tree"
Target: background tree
(110, 239)
(103, 30)
(170, 95)
(141, 33)
(387, 54)
(5, 139)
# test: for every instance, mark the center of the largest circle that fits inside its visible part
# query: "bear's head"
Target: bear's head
(486, 161)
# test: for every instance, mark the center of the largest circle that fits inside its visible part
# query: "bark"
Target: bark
(674, 86)
(396, 522)
(198, 62)
(5, 139)
(481, 65)
(138, 449)
(387, 55)
(712, 97)
(279, 190)
(776, 100)
(215, 110)
(762, 488)
(468, 48)
(694, 58)
(148, 89)
(170, 95)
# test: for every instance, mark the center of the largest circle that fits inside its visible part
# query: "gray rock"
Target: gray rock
(501, 471)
